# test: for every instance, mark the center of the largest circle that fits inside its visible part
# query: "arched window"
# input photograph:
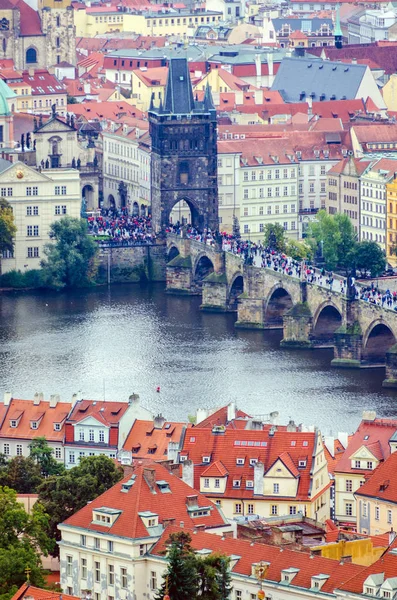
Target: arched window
(31, 56)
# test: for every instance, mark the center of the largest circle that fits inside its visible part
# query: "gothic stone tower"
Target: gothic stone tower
(184, 152)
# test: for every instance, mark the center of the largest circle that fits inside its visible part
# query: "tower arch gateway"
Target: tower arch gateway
(184, 152)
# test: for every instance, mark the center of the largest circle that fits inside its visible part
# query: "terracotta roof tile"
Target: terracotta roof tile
(30, 591)
(108, 413)
(383, 483)
(146, 441)
(26, 411)
(145, 495)
(219, 417)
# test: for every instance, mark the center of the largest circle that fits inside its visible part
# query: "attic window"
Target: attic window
(192, 440)
(183, 458)
(57, 427)
(293, 443)
(366, 437)
(250, 483)
(236, 483)
(13, 423)
(34, 425)
(206, 459)
(253, 461)
(240, 461)
(305, 443)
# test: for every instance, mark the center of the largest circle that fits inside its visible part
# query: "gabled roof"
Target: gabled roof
(219, 417)
(368, 432)
(30, 23)
(146, 441)
(144, 495)
(246, 553)
(357, 167)
(386, 565)
(26, 411)
(383, 483)
(30, 591)
(108, 413)
(217, 469)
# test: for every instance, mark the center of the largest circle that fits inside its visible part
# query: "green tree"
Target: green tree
(275, 237)
(43, 455)
(22, 539)
(22, 475)
(70, 259)
(180, 580)
(299, 250)
(7, 227)
(335, 234)
(71, 100)
(369, 257)
(224, 577)
(65, 494)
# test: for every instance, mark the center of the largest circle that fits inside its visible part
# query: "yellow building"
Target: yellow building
(97, 20)
(363, 551)
(389, 93)
(391, 222)
(144, 83)
(377, 499)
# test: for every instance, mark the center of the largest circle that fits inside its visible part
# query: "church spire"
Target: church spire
(208, 101)
(178, 91)
(338, 31)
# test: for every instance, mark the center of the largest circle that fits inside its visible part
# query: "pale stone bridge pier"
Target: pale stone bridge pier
(311, 316)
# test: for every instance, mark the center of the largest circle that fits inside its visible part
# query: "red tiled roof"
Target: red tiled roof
(219, 417)
(246, 554)
(105, 110)
(27, 411)
(379, 430)
(26, 590)
(360, 166)
(387, 565)
(217, 469)
(42, 82)
(385, 56)
(143, 436)
(30, 23)
(108, 413)
(144, 495)
(261, 445)
(383, 483)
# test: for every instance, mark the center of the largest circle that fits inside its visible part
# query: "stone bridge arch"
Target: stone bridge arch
(236, 287)
(280, 299)
(326, 320)
(202, 267)
(377, 339)
(172, 252)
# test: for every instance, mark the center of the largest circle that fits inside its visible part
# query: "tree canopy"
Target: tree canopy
(191, 576)
(63, 495)
(369, 257)
(274, 237)
(70, 258)
(23, 538)
(43, 455)
(336, 237)
(7, 226)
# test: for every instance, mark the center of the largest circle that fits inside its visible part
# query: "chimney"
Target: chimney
(172, 452)
(7, 398)
(343, 437)
(239, 97)
(54, 399)
(150, 476)
(134, 399)
(258, 69)
(75, 399)
(369, 415)
(38, 397)
(329, 444)
(31, 71)
(392, 536)
(201, 415)
(273, 417)
(269, 58)
(259, 470)
(231, 411)
(291, 427)
(258, 95)
(158, 422)
(192, 500)
(188, 472)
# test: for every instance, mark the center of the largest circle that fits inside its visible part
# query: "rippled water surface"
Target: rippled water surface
(112, 342)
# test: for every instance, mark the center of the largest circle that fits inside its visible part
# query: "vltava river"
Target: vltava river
(113, 342)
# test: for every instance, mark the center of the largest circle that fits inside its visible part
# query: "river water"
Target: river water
(111, 342)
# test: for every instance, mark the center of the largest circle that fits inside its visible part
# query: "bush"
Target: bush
(18, 280)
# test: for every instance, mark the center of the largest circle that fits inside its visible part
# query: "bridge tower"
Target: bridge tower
(184, 151)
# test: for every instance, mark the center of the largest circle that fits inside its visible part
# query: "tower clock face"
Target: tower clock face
(19, 174)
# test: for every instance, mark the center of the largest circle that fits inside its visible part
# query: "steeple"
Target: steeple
(178, 92)
(338, 31)
(208, 101)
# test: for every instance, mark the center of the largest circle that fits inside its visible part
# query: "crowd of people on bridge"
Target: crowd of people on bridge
(120, 228)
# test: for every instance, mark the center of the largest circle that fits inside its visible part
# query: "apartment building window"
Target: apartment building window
(253, 176)
(269, 210)
(19, 449)
(110, 546)
(123, 577)
(389, 517)
(322, 187)
(277, 210)
(293, 225)
(311, 171)
(364, 509)
(311, 188)
(153, 580)
(237, 508)
(91, 435)
(250, 509)
(97, 543)
(6, 449)
(349, 509)
(69, 566)
(277, 174)
(245, 175)
(33, 252)
(206, 483)
(285, 225)
(83, 568)
(261, 227)
(274, 509)
(111, 574)
(260, 192)
(217, 483)
(239, 595)
(292, 510)
(349, 485)
(369, 464)
(261, 210)
(285, 191)
(285, 208)
(245, 193)
(260, 175)
(323, 171)
(357, 464)
(269, 192)
(101, 435)
(83, 540)
(269, 174)
(301, 188)
(277, 192)
(377, 513)
(32, 210)
(285, 173)
(97, 572)
(72, 458)
(81, 435)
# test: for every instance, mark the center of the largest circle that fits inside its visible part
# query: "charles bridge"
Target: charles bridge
(311, 316)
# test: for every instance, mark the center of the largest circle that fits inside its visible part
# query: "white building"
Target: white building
(37, 200)
(126, 173)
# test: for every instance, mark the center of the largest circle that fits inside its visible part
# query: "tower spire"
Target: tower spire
(338, 31)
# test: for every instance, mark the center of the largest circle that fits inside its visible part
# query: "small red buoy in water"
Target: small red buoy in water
(158, 389)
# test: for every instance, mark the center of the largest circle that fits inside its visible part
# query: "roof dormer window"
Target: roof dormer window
(302, 463)
(34, 424)
(206, 459)
(249, 483)
(57, 427)
(13, 423)
(253, 461)
(240, 461)
(183, 458)
(236, 483)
